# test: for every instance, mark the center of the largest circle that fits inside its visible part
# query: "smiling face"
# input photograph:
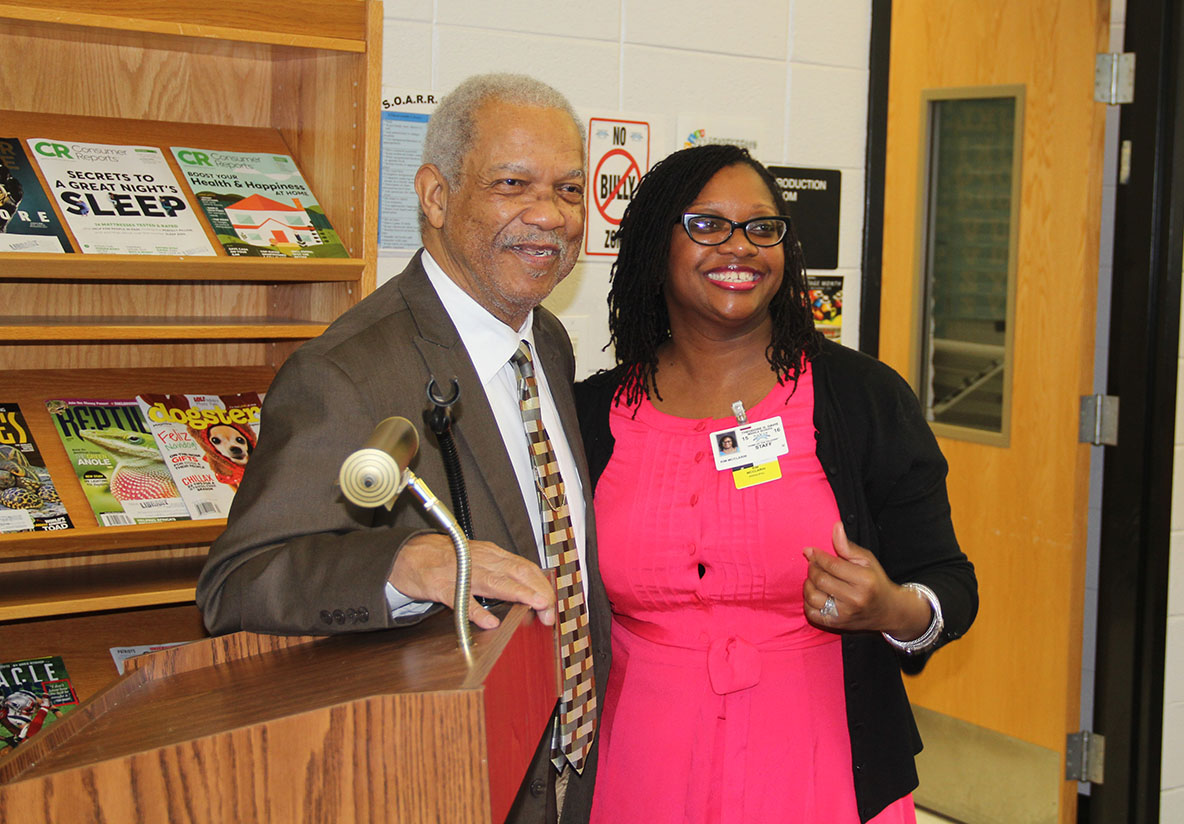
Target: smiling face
(511, 228)
(730, 285)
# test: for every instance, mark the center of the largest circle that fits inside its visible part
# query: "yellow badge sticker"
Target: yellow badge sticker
(759, 474)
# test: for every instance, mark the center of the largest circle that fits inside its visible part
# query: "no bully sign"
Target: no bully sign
(618, 157)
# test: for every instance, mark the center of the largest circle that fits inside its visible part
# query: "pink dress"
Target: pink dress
(723, 704)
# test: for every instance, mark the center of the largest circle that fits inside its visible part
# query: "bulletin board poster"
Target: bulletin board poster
(404, 122)
(618, 157)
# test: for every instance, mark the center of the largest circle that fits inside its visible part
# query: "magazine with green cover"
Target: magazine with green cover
(119, 199)
(34, 694)
(259, 204)
(117, 461)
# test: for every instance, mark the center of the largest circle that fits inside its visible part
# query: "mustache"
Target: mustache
(539, 239)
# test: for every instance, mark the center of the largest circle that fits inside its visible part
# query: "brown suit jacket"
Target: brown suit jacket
(297, 559)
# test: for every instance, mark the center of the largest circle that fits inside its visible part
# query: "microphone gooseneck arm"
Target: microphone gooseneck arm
(464, 563)
(377, 473)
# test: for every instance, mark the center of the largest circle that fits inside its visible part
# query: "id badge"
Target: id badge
(750, 451)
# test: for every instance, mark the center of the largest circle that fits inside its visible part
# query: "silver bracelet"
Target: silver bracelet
(929, 638)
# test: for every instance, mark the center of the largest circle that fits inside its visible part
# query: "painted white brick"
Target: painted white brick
(827, 117)
(1172, 765)
(1180, 399)
(408, 10)
(756, 28)
(595, 19)
(1178, 488)
(657, 80)
(1176, 576)
(1173, 682)
(1171, 805)
(831, 32)
(406, 55)
(585, 292)
(563, 62)
(851, 220)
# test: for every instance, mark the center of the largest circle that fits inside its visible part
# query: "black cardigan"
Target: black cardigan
(888, 478)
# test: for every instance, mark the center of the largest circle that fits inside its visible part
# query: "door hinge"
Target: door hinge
(1114, 78)
(1085, 757)
(1098, 424)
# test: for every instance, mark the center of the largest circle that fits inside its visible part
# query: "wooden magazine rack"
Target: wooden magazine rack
(303, 80)
(388, 726)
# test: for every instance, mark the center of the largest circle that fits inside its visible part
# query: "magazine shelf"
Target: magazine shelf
(69, 591)
(84, 641)
(235, 76)
(94, 541)
(343, 28)
(22, 266)
(148, 328)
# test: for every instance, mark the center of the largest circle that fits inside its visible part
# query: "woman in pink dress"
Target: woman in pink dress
(765, 596)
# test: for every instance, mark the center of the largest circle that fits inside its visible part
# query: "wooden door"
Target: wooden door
(995, 708)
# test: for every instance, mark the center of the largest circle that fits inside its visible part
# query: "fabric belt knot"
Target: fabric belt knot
(573, 734)
(733, 664)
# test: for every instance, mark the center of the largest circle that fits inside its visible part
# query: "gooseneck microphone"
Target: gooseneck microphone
(374, 476)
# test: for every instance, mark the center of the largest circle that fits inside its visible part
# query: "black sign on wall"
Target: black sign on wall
(811, 198)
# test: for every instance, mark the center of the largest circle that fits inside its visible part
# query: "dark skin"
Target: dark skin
(720, 329)
(506, 234)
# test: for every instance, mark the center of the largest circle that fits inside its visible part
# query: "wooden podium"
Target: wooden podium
(389, 726)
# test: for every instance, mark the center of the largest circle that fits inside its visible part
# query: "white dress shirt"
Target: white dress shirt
(490, 344)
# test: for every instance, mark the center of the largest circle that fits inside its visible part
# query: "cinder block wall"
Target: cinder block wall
(800, 66)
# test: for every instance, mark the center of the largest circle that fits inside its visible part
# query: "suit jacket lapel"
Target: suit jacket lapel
(474, 430)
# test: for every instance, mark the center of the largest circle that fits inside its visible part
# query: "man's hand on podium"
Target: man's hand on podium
(425, 569)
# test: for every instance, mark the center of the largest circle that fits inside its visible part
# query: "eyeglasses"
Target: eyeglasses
(712, 230)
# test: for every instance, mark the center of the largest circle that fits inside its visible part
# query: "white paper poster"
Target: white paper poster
(618, 157)
(120, 200)
(405, 115)
(705, 130)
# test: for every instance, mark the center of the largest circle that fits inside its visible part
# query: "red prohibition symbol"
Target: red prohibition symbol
(630, 170)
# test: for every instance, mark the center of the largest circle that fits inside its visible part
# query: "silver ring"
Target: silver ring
(829, 609)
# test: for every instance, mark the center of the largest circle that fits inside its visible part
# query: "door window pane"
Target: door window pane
(969, 261)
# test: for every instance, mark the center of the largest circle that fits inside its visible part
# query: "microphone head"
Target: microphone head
(373, 475)
(370, 478)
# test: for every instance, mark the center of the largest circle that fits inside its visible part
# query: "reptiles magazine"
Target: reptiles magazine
(117, 462)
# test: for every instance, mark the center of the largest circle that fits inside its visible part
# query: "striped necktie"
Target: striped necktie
(577, 706)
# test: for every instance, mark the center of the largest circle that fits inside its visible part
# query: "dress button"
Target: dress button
(326, 616)
(698, 457)
(694, 499)
(691, 548)
(700, 426)
(363, 614)
(339, 616)
(537, 786)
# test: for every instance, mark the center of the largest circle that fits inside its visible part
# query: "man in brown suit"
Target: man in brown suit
(502, 216)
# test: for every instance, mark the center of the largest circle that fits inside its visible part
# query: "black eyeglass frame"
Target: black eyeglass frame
(741, 224)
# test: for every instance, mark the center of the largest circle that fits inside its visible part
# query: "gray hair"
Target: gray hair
(452, 127)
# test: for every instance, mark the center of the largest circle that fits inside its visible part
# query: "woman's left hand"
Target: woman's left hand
(865, 598)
